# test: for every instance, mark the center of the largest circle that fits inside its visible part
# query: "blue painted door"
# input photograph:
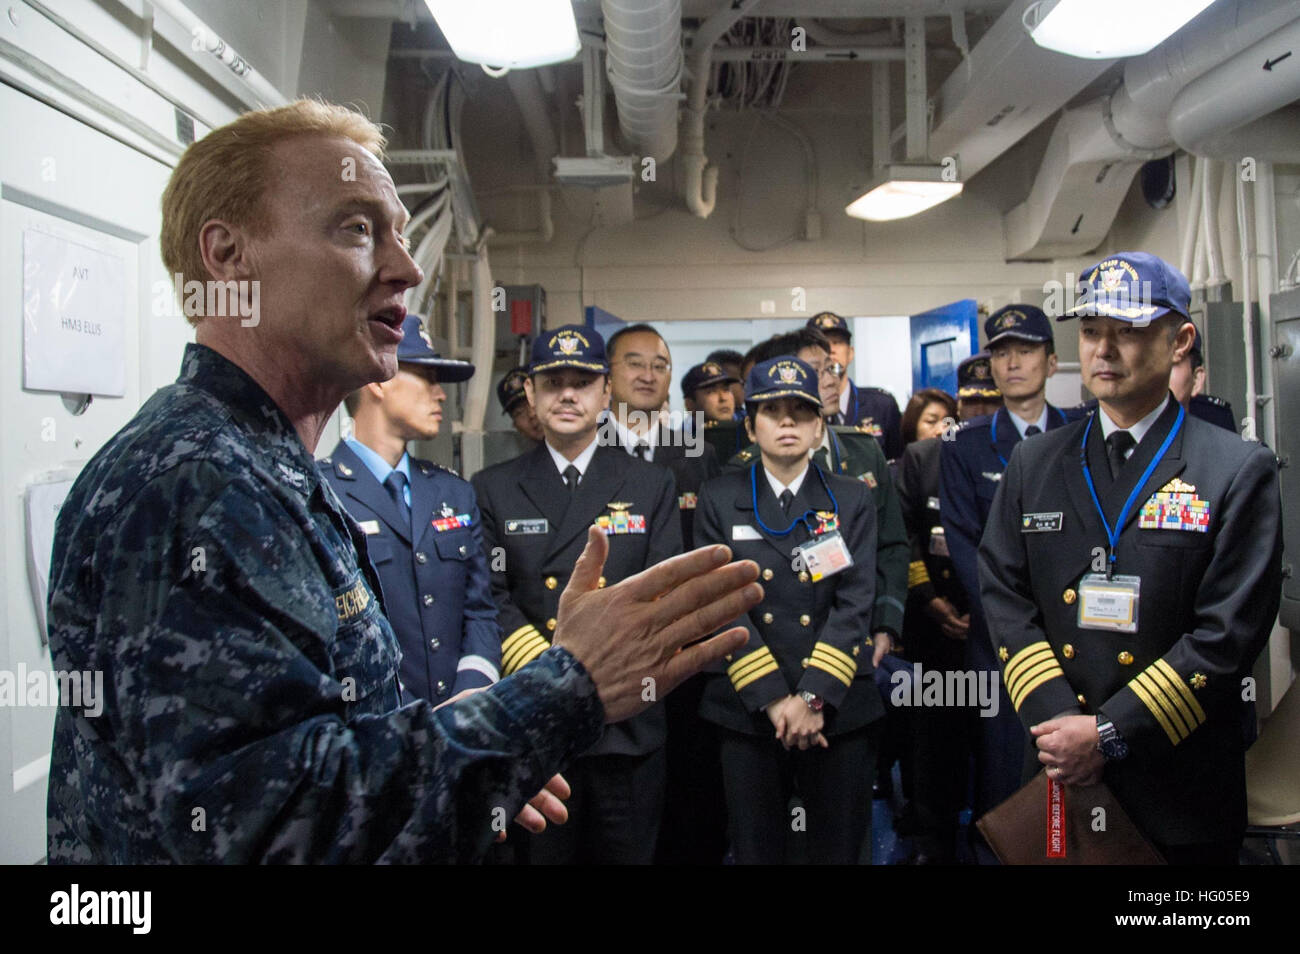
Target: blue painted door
(941, 339)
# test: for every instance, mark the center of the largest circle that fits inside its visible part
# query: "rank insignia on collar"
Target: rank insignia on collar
(617, 505)
(345, 470)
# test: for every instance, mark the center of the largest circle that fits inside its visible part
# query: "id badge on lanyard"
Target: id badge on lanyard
(1110, 604)
(825, 555)
(1107, 601)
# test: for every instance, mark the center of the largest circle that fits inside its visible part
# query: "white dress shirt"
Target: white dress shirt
(582, 461)
(778, 487)
(1022, 425)
(1138, 430)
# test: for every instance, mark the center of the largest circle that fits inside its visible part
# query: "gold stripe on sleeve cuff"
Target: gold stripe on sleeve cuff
(917, 574)
(829, 664)
(1028, 669)
(520, 648)
(751, 667)
(1169, 699)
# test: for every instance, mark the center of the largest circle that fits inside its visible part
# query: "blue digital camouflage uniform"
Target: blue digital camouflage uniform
(251, 708)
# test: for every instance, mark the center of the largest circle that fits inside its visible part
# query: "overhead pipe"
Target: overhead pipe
(1211, 187)
(1232, 110)
(701, 178)
(1187, 247)
(643, 62)
(1266, 264)
(212, 44)
(527, 90)
(1247, 326)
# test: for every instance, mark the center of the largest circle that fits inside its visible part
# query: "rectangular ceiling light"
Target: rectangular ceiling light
(513, 34)
(903, 190)
(1107, 29)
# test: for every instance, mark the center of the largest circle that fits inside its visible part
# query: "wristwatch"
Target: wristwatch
(814, 701)
(1109, 742)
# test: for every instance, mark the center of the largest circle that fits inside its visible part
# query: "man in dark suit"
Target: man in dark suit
(537, 510)
(1131, 571)
(422, 525)
(640, 370)
(870, 408)
(1021, 359)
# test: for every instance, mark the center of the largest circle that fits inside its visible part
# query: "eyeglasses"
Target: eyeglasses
(831, 372)
(640, 365)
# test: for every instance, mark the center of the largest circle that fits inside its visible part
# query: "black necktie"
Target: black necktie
(394, 484)
(642, 451)
(787, 498)
(837, 419)
(1117, 447)
(571, 477)
(1031, 430)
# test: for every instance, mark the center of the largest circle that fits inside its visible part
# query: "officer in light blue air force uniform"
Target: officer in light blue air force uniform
(422, 526)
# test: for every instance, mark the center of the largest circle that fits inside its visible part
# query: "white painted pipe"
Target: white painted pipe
(1211, 187)
(1187, 247)
(1266, 265)
(1247, 327)
(701, 178)
(643, 62)
(1216, 111)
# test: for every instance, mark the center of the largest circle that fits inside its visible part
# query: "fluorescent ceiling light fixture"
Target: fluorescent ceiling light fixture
(1107, 29)
(904, 189)
(513, 34)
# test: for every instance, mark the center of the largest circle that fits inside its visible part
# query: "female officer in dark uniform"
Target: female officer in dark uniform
(797, 707)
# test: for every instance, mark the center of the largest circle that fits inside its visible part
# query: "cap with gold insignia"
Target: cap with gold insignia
(827, 322)
(569, 346)
(1017, 321)
(705, 375)
(975, 378)
(510, 389)
(782, 376)
(1133, 287)
(416, 348)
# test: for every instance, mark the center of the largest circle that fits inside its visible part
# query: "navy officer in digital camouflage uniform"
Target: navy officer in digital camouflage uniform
(251, 708)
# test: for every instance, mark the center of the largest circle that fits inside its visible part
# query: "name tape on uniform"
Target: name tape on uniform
(1040, 522)
(369, 527)
(538, 525)
(745, 532)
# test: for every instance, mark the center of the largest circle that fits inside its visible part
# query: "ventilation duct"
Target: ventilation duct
(643, 62)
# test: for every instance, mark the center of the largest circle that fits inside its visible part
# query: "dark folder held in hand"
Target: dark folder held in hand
(1048, 823)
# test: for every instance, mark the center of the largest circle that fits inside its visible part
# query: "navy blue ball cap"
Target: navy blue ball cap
(975, 379)
(416, 348)
(1017, 321)
(569, 346)
(705, 375)
(1132, 286)
(510, 389)
(829, 322)
(782, 376)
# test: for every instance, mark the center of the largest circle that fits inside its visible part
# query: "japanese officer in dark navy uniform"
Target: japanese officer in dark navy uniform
(1131, 571)
(1187, 382)
(537, 509)
(1021, 359)
(422, 525)
(872, 409)
(798, 707)
(514, 404)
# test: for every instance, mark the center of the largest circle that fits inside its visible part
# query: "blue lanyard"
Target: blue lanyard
(994, 435)
(1112, 535)
(753, 487)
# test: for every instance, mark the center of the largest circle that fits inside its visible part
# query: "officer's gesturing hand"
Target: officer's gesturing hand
(1067, 745)
(639, 629)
